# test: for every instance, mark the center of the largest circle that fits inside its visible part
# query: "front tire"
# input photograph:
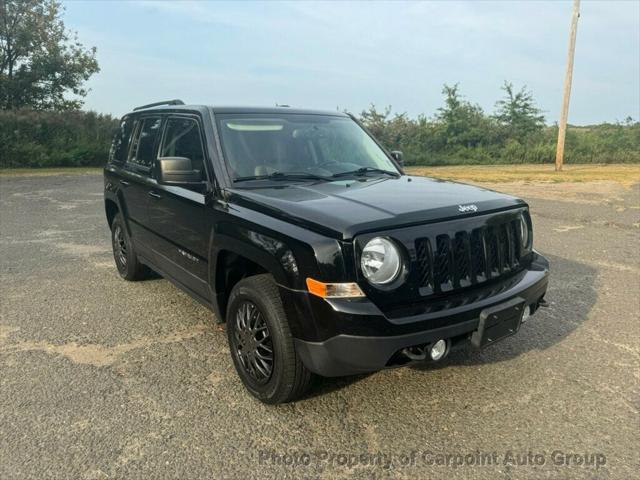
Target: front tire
(261, 343)
(129, 267)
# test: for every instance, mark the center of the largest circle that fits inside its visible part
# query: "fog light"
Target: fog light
(526, 314)
(438, 349)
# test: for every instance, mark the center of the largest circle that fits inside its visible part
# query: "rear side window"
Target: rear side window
(118, 152)
(143, 148)
(182, 139)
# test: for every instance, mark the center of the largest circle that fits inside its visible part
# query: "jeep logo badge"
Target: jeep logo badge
(468, 208)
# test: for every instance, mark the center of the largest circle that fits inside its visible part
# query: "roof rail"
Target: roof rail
(156, 104)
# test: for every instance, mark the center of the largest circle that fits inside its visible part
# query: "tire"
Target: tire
(255, 303)
(127, 263)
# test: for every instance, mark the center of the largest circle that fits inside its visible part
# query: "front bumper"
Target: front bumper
(358, 338)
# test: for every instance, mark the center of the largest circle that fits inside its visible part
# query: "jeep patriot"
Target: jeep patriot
(303, 234)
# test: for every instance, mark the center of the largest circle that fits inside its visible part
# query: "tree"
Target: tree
(376, 122)
(518, 112)
(40, 60)
(463, 124)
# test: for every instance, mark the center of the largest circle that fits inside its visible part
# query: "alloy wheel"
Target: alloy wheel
(253, 342)
(120, 245)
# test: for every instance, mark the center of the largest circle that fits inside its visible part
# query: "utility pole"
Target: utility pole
(564, 111)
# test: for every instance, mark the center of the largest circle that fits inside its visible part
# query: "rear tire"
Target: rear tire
(127, 263)
(261, 343)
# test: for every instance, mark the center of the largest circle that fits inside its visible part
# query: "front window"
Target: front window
(323, 146)
(182, 139)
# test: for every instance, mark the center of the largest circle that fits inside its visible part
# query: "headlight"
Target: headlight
(380, 261)
(524, 232)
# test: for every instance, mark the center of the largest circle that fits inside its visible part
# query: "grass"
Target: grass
(32, 172)
(625, 174)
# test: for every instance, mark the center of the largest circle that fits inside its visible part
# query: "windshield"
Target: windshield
(318, 146)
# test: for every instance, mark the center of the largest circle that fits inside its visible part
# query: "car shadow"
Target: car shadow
(151, 275)
(323, 385)
(571, 296)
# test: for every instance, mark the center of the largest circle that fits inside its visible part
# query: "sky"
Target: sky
(348, 55)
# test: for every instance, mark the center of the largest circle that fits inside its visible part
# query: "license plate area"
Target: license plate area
(498, 322)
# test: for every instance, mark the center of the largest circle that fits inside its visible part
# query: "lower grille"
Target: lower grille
(449, 262)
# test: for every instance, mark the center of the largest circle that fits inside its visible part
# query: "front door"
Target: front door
(180, 221)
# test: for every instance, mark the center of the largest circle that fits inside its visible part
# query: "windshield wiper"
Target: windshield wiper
(283, 176)
(365, 170)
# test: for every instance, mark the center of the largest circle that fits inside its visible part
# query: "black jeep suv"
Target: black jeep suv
(303, 233)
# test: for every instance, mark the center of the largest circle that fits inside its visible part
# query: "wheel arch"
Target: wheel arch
(233, 258)
(111, 210)
(113, 204)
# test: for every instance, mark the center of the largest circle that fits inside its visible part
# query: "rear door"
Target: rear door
(180, 220)
(136, 177)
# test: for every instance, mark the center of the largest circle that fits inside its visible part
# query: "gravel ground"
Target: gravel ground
(101, 378)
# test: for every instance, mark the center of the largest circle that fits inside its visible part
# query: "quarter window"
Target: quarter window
(182, 139)
(143, 148)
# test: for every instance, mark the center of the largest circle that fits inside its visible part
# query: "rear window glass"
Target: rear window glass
(143, 148)
(120, 142)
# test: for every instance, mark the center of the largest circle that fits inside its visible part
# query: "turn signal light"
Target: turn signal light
(333, 290)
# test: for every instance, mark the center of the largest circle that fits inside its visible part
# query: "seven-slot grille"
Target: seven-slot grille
(449, 262)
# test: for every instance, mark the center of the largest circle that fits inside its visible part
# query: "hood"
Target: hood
(345, 208)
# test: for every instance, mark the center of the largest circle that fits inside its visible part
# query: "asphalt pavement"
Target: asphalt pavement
(102, 378)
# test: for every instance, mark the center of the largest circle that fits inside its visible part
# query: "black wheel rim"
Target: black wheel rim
(253, 342)
(119, 246)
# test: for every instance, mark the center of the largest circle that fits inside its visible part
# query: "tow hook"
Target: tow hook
(417, 354)
(435, 351)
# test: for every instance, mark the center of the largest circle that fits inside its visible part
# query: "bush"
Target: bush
(54, 139)
(431, 142)
(464, 135)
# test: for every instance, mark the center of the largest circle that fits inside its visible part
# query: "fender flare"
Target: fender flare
(241, 245)
(118, 199)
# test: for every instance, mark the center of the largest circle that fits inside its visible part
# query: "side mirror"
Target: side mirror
(177, 171)
(398, 157)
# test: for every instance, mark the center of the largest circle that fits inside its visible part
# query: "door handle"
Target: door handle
(154, 194)
(124, 182)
